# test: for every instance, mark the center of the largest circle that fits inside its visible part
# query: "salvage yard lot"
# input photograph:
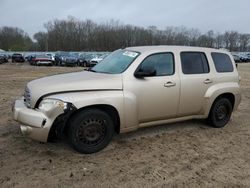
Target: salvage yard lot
(181, 154)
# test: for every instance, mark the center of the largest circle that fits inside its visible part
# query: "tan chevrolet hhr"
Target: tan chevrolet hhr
(131, 88)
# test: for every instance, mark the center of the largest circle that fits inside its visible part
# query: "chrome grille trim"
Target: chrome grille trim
(27, 97)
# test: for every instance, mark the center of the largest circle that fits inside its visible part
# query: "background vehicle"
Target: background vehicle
(42, 60)
(59, 57)
(30, 59)
(51, 56)
(81, 59)
(3, 58)
(248, 57)
(71, 59)
(243, 58)
(236, 58)
(17, 57)
(85, 58)
(96, 60)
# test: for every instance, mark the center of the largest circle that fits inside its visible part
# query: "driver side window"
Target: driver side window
(162, 63)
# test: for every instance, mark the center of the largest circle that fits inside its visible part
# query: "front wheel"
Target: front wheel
(90, 131)
(220, 113)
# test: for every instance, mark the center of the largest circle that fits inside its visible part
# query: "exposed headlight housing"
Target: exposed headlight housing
(27, 97)
(50, 104)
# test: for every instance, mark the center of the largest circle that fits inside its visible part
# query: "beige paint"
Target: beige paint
(139, 102)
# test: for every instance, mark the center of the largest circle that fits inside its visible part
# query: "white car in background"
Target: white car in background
(97, 59)
(51, 55)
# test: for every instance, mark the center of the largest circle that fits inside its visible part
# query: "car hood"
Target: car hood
(73, 82)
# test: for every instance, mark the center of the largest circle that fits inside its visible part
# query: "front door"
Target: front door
(158, 95)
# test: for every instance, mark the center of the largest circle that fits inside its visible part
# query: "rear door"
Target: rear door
(195, 80)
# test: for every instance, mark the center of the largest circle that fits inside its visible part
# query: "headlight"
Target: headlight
(49, 104)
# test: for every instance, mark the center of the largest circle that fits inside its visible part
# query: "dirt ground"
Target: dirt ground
(187, 154)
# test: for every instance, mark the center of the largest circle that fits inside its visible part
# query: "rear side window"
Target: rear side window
(163, 63)
(222, 62)
(194, 63)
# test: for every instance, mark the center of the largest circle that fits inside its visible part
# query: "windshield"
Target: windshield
(117, 62)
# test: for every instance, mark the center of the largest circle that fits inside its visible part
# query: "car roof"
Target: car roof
(143, 49)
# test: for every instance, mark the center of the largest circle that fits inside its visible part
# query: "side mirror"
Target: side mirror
(140, 73)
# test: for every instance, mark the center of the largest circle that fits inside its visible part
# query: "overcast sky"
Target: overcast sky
(218, 15)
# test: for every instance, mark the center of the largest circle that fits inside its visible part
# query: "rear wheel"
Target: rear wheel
(91, 131)
(220, 113)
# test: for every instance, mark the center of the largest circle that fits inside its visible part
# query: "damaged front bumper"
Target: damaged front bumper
(35, 123)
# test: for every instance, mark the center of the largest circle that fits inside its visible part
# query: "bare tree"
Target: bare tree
(13, 38)
(244, 41)
(72, 34)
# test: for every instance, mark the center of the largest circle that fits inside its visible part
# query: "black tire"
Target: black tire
(90, 131)
(220, 113)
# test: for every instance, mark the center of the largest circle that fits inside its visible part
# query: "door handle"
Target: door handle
(208, 81)
(169, 84)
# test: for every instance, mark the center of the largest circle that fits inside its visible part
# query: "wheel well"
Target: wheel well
(110, 110)
(228, 96)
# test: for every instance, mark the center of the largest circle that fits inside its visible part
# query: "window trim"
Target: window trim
(215, 65)
(201, 59)
(157, 54)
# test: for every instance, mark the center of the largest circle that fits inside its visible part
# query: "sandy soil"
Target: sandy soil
(187, 154)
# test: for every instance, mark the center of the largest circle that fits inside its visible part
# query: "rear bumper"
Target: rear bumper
(44, 62)
(34, 123)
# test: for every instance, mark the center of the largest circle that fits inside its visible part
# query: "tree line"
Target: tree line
(15, 39)
(86, 35)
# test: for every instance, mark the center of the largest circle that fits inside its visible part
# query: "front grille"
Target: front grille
(27, 97)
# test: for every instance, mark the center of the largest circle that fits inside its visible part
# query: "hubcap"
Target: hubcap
(91, 132)
(221, 112)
